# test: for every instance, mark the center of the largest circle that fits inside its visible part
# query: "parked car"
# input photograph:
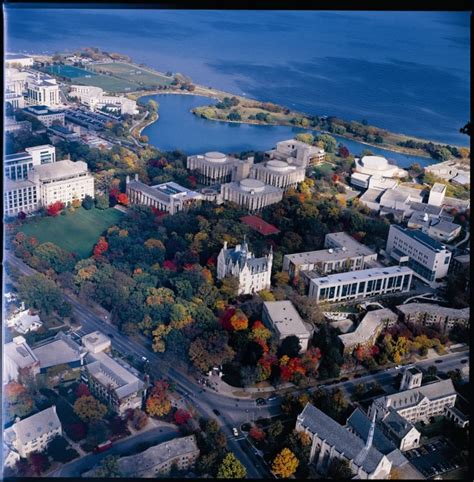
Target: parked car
(260, 401)
(235, 432)
(103, 446)
(216, 412)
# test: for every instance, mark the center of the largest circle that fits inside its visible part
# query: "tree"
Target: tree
(55, 208)
(285, 464)
(181, 416)
(102, 202)
(344, 152)
(88, 408)
(257, 433)
(234, 116)
(122, 198)
(208, 352)
(239, 321)
(82, 390)
(39, 292)
(108, 467)
(328, 142)
(230, 286)
(158, 402)
(152, 105)
(57, 258)
(38, 462)
(231, 468)
(140, 419)
(290, 346)
(340, 469)
(88, 202)
(305, 137)
(101, 247)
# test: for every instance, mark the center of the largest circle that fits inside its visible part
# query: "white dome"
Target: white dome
(252, 185)
(215, 156)
(276, 165)
(374, 162)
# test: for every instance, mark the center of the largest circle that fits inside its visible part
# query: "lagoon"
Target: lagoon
(178, 128)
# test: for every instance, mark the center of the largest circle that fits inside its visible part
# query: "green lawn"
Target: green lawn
(109, 84)
(77, 233)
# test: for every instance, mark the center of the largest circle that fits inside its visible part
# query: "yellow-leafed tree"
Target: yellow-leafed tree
(285, 464)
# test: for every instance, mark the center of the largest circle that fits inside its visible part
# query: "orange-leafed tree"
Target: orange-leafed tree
(158, 402)
(101, 247)
(285, 464)
(239, 321)
(122, 198)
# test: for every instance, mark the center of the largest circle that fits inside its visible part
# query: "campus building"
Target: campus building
(214, 167)
(417, 403)
(278, 173)
(18, 360)
(360, 284)
(168, 197)
(42, 90)
(14, 127)
(437, 194)
(342, 253)
(118, 386)
(374, 167)
(96, 342)
(252, 273)
(24, 321)
(434, 316)
(283, 319)
(33, 434)
(95, 99)
(45, 115)
(251, 194)
(428, 258)
(330, 441)
(438, 227)
(16, 166)
(297, 153)
(368, 330)
(18, 59)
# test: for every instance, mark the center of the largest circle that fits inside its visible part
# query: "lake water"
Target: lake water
(408, 72)
(178, 128)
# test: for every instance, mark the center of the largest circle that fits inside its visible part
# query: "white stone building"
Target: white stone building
(24, 321)
(252, 273)
(18, 59)
(368, 330)
(438, 227)
(434, 316)
(96, 99)
(251, 194)
(18, 359)
(16, 166)
(418, 403)
(278, 173)
(377, 167)
(45, 115)
(169, 196)
(215, 167)
(330, 441)
(33, 434)
(96, 342)
(360, 284)
(117, 385)
(297, 152)
(42, 89)
(427, 257)
(342, 253)
(283, 319)
(437, 194)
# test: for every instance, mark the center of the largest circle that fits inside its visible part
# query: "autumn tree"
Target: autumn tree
(139, 419)
(339, 469)
(285, 464)
(211, 351)
(231, 468)
(101, 247)
(108, 468)
(181, 416)
(88, 408)
(82, 390)
(158, 403)
(55, 208)
(122, 198)
(230, 286)
(239, 321)
(257, 433)
(40, 292)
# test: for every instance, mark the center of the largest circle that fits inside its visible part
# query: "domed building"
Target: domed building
(252, 194)
(374, 168)
(278, 173)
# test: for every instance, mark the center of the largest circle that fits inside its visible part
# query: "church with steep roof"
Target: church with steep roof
(253, 273)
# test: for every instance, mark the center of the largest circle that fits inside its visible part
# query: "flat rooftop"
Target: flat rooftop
(60, 169)
(414, 308)
(285, 318)
(364, 274)
(328, 254)
(421, 237)
(344, 240)
(438, 187)
(19, 352)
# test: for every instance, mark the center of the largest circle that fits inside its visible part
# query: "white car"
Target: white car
(236, 432)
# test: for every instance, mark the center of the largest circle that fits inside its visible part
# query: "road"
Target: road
(125, 447)
(233, 411)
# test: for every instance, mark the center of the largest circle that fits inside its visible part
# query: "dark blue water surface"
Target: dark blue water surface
(404, 71)
(178, 128)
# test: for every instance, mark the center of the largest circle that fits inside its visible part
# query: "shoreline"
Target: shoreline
(392, 149)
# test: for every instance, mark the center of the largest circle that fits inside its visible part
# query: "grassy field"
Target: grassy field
(109, 84)
(68, 71)
(77, 233)
(132, 73)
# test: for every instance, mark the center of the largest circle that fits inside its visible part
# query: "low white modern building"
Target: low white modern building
(418, 403)
(45, 115)
(342, 253)
(302, 154)
(368, 330)
(18, 359)
(360, 284)
(283, 319)
(96, 342)
(437, 194)
(376, 167)
(14, 127)
(33, 434)
(117, 385)
(251, 194)
(96, 99)
(169, 196)
(252, 273)
(434, 316)
(21, 60)
(330, 441)
(438, 227)
(428, 258)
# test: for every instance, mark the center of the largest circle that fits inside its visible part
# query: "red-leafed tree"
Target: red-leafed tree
(55, 208)
(344, 152)
(101, 247)
(39, 463)
(257, 433)
(114, 192)
(82, 390)
(226, 317)
(76, 431)
(181, 416)
(170, 265)
(122, 198)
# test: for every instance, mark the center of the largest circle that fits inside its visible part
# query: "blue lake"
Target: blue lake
(408, 72)
(178, 128)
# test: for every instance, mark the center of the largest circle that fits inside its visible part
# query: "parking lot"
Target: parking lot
(435, 458)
